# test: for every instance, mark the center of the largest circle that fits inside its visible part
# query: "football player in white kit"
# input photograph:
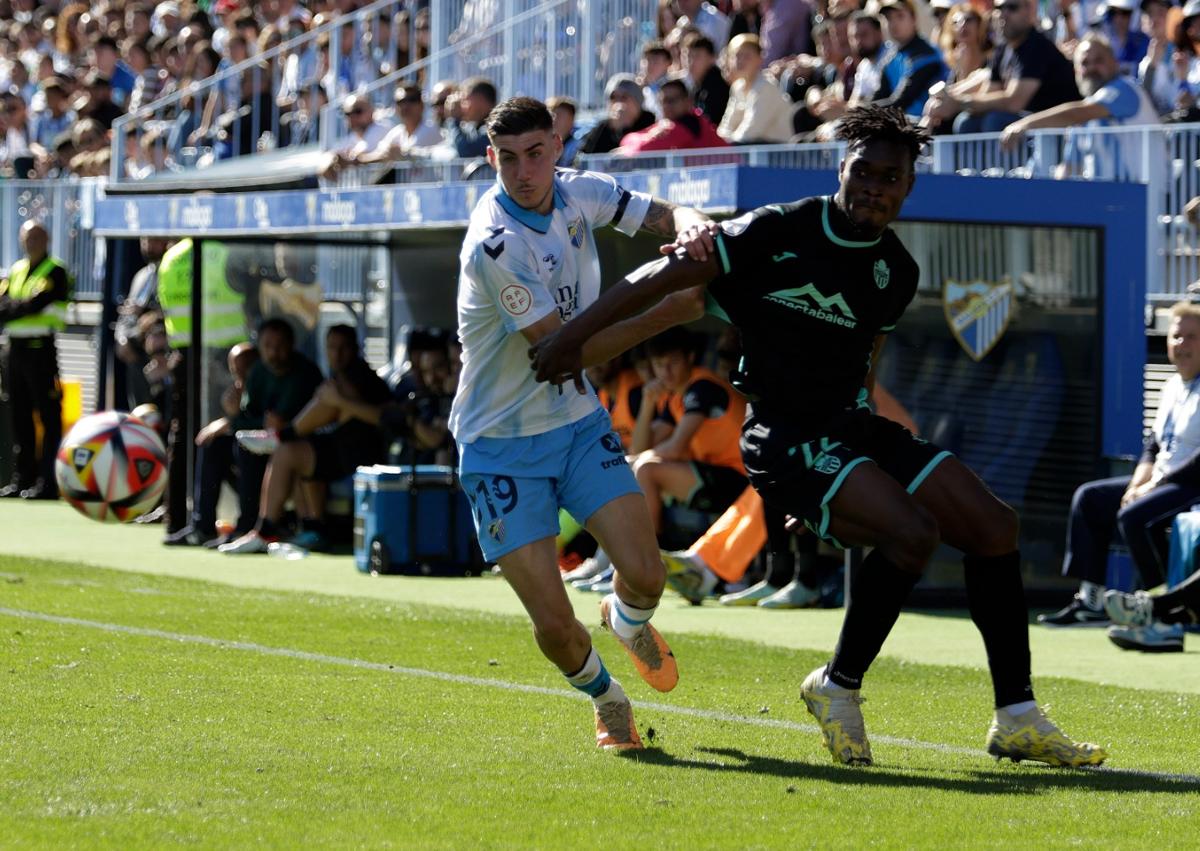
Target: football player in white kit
(528, 264)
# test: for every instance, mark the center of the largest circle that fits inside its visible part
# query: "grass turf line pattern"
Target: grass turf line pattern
(463, 679)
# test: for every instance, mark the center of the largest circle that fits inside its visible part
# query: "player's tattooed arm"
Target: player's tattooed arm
(688, 228)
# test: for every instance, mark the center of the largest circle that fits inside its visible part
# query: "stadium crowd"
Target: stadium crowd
(727, 73)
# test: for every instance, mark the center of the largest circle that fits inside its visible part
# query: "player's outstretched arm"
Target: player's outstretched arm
(687, 227)
(560, 355)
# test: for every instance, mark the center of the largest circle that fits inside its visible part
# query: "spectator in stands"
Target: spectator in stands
(351, 401)
(1157, 70)
(758, 112)
(786, 27)
(15, 152)
(440, 99)
(708, 84)
(412, 135)
(55, 118)
(626, 114)
(1028, 74)
(1186, 63)
(746, 17)
(419, 419)
(682, 125)
(1128, 44)
(667, 15)
(940, 10)
(965, 45)
(563, 110)
(278, 387)
(215, 459)
(1141, 507)
(693, 435)
(365, 137)
(706, 18)
(99, 105)
(911, 65)
(467, 134)
(653, 69)
(104, 58)
(1110, 100)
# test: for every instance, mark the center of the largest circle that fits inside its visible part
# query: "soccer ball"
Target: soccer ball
(111, 467)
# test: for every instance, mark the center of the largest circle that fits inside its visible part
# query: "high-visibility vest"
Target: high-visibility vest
(23, 285)
(223, 317)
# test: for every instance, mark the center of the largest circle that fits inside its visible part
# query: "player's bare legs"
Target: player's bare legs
(622, 526)
(658, 478)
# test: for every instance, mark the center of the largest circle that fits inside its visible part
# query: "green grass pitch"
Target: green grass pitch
(152, 699)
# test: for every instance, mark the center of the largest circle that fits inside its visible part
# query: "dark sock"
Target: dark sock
(876, 597)
(780, 568)
(288, 433)
(808, 564)
(267, 528)
(313, 524)
(996, 599)
(1181, 604)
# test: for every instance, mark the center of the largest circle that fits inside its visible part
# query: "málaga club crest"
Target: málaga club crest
(978, 313)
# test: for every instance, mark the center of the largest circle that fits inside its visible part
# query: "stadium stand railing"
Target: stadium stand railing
(242, 103)
(64, 207)
(526, 47)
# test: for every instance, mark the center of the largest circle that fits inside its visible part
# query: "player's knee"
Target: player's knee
(912, 546)
(556, 630)
(642, 572)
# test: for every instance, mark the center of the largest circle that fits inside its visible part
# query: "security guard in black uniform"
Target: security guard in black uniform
(33, 306)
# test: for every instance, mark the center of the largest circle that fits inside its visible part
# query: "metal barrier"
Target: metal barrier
(65, 208)
(270, 100)
(538, 48)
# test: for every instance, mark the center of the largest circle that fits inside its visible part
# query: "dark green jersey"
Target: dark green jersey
(809, 305)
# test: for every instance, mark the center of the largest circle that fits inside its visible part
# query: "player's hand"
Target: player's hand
(557, 360)
(697, 240)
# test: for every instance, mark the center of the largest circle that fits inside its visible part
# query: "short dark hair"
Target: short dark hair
(676, 339)
(519, 115)
(655, 47)
(480, 86)
(561, 101)
(861, 17)
(279, 326)
(676, 83)
(349, 332)
(700, 41)
(869, 123)
(106, 41)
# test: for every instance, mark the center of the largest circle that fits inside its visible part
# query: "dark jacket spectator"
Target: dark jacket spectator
(910, 66)
(710, 90)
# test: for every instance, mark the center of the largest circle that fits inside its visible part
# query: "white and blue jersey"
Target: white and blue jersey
(517, 267)
(1117, 156)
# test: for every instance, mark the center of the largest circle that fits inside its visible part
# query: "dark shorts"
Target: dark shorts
(340, 452)
(716, 488)
(800, 472)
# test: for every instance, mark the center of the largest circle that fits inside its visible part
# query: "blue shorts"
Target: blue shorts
(516, 485)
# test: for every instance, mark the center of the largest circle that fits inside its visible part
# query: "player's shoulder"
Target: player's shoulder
(771, 217)
(579, 183)
(898, 256)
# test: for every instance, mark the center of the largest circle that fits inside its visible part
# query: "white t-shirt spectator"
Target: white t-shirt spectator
(1116, 156)
(759, 112)
(354, 145)
(398, 138)
(1164, 87)
(1176, 426)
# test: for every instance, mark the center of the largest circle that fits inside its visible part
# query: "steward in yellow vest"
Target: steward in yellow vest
(33, 306)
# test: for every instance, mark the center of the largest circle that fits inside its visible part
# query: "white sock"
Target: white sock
(593, 678)
(627, 620)
(1019, 708)
(1092, 595)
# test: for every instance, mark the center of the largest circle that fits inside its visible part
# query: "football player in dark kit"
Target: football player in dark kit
(815, 286)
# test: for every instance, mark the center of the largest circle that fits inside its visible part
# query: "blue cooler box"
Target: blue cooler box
(414, 521)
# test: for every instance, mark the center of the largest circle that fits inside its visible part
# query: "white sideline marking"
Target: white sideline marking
(444, 676)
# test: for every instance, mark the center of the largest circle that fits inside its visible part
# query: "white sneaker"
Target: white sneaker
(1158, 637)
(1136, 609)
(837, 711)
(794, 595)
(588, 570)
(261, 441)
(251, 542)
(749, 596)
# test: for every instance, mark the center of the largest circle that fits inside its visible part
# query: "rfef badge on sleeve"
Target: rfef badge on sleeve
(978, 313)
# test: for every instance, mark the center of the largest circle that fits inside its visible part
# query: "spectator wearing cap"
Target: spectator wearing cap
(758, 111)
(1128, 42)
(412, 134)
(54, 118)
(1110, 100)
(706, 18)
(682, 125)
(467, 134)
(940, 10)
(563, 109)
(104, 57)
(1157, 72)
(911, 65)
(166, 19)
(1028, 73)
(710, 90)
(626, 114)
(366, 135)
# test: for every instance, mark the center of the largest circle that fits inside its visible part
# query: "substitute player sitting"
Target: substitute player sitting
(815, 286)
(528, 265)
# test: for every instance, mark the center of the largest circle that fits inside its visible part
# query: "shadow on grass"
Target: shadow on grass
(1031, 781)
